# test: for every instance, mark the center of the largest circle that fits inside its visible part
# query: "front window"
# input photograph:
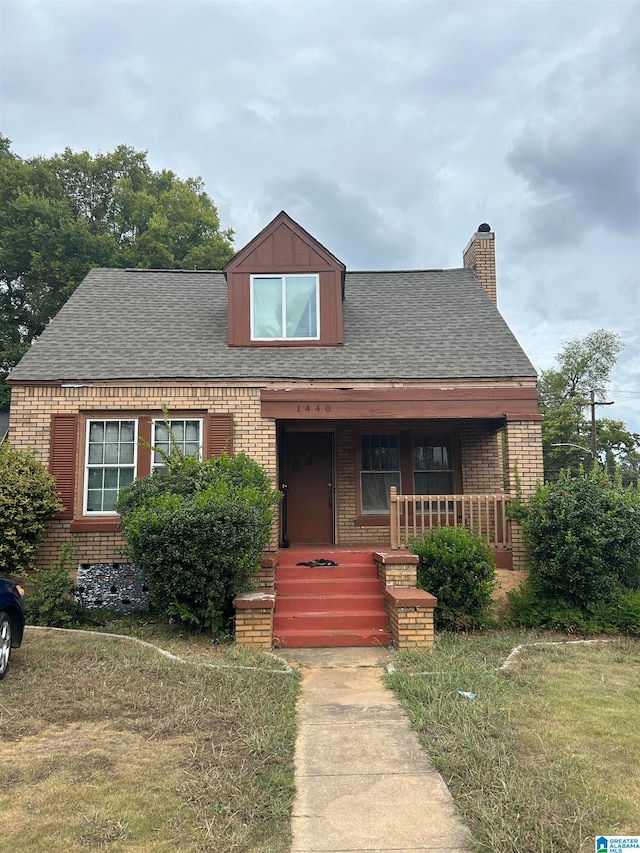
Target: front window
(111, 462)
(185, 437)
(380, 469)
(285, 307)
(432, 465)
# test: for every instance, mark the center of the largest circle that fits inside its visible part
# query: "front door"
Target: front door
(308, 476)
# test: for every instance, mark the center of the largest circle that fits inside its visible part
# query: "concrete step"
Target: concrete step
(334, 586)
(290, 556)
(306, 639)
(327, 606)
(327, 621)
(353, 570)
(328, 602)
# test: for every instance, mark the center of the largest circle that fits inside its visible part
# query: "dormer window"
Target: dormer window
(284, 289)
(285, 307)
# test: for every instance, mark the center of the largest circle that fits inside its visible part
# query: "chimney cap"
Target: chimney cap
(484, 228)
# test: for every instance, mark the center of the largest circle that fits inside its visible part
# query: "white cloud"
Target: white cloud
(390, 130)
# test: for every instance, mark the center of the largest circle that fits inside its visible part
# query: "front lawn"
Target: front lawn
(547, 755)
(110, 745)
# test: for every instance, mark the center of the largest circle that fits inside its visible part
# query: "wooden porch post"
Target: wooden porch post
(393, 518)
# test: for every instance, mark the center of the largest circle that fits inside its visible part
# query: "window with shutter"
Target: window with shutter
(113, 456)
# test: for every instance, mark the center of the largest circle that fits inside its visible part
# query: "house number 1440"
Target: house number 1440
(311, 408)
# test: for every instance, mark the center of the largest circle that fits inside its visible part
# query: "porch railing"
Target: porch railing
(413, 515)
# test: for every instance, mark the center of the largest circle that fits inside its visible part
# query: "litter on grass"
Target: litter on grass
(466, 695)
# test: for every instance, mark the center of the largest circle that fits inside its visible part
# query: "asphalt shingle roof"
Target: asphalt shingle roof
(155, 324)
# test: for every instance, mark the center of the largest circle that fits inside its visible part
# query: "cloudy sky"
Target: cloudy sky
(389, 130)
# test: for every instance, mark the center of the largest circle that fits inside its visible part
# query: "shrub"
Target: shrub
(528, 607)
(198, 531)
(50, 598)
(28, 501)
(458, 568)
(583, 539)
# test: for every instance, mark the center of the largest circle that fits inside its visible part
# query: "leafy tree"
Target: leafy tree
(584, 365)
(198, 532)
(60, 216)
(28, 501)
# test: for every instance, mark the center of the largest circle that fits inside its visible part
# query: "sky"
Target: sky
(388, 130)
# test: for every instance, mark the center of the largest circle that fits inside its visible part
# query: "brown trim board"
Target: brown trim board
(401, 403)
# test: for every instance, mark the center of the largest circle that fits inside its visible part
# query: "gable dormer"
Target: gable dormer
(284, 289)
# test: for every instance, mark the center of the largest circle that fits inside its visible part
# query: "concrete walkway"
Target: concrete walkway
(363, 781)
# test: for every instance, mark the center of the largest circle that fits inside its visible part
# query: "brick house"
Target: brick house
(359, 392)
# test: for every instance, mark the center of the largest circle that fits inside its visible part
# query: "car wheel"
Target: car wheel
(5, 643)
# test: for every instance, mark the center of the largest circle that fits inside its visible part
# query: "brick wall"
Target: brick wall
(524, 447)
(523, 443)
(32, 407)
(480, 257)
(481, 460)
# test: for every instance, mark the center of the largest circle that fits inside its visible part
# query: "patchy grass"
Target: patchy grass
(108, 745)
(180, 641)
(548, 754)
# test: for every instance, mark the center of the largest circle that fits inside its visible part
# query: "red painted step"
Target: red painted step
(310, 602)
(342, 586)
(332, 639)
(325, 606)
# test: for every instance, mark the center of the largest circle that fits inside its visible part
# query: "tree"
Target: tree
(584, 366)
(60, 216)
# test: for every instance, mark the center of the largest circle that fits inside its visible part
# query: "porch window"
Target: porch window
(187, 439)
(285, 307)
(433, 470)
(432, 465)
(379, 470)
(111, 462)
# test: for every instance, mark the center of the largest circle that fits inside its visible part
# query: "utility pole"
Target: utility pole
(594, 443)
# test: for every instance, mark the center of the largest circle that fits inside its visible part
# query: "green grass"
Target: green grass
(548, 754)
(116, 747)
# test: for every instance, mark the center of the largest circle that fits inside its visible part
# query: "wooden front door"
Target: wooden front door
(308, 476)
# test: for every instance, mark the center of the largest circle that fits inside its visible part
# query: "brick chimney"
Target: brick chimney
(480, 256)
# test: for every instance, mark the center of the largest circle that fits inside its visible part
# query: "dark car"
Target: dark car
(11, 621)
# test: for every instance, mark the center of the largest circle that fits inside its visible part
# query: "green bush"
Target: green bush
(528, 607)
(50, 599)
(458, 568)
(28, 501)
(198, 531)
(583, 539)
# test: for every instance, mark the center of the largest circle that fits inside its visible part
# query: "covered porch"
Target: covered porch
(378, 466)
